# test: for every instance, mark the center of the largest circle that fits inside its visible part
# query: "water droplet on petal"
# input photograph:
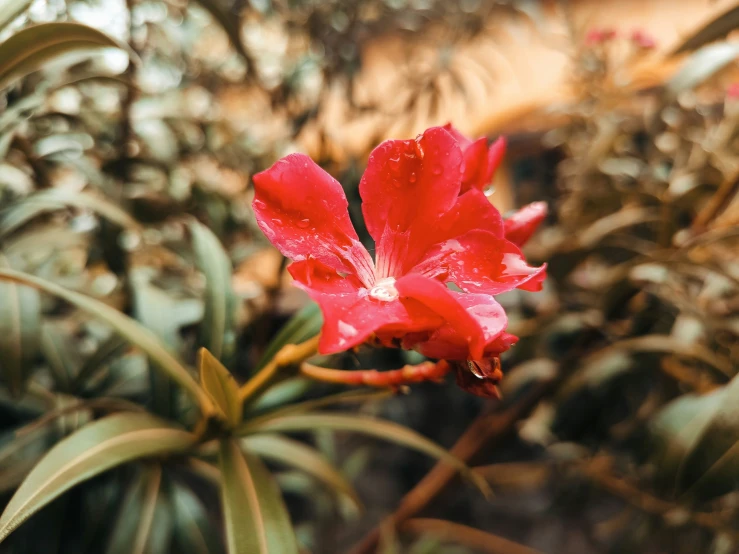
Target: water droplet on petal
(488, 191)
(437, 170)
(303, 223)
(475, 369)
(412, 178)
(276, 221)
(394, 163)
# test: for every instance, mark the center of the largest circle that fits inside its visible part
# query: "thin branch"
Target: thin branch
(598, 471)
(484, 431)
(465, 536)
(290, 354)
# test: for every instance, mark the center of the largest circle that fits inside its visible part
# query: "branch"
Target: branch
(465, 536)
(484, 431)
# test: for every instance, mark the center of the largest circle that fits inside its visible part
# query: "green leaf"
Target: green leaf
(21, 212)
(702, 65)
(281, 393)
(305, 324)
(301, 456)
(217, 328)
(711, 466)
(159, 540)
(255, 516)
(97, 447)
(110, 349)
(344, 397)
(125, 326)
(384, 430)
(10, 9)
(31, 48)
(221, 386)
(20, 332)
(59, 351)
(164, 314)
(715, 29)
(134, 522)
(676, 429)
(193, 532)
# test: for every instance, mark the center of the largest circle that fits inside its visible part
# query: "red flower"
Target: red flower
(643, 39)
(599, 36)
(522, 224)
(426, 235)
(480, 162)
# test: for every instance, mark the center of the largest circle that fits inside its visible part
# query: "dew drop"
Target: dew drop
(437, 170)
(412, 178)
(488, 191)
(475, 369)
(276, 221)
(303, 223)
(394, 163)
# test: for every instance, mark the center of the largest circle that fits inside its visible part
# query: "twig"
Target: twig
(426, 371)
(598, 471)
(290, 354)
(719, 201)
(487, 428)
(465, 536)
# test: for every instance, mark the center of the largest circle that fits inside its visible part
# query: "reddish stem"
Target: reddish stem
(426, 371)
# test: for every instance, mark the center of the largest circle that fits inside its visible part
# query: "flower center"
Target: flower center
(384, 290)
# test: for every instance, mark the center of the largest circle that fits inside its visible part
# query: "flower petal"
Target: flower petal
(484, 385)
(303, 211)
(351, 315)
(405, 189)
(479, 261)
(449, 305)
(522, 224)
(480, 162)
(449, 344)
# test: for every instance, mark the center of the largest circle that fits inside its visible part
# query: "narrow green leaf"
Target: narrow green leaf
(133, 524)
(57, 347)
(711, 466)
(10, 9)
(385, 430)
(217, 328)
(281, 393)
(305, 324)
(255, 516)
(125, 326)
(21, 212)
(164, 314)
(32, 47)
(345, 397)
(676, 429)
(702, 65)
(305, 458)
(20, 332)
(221, 386)
(111, 348)
(162, 528)
(97, 447)
(193, 531)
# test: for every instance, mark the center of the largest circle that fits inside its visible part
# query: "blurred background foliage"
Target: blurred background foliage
(128, 135)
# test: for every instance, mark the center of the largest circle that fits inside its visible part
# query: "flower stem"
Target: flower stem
(289, 354)
(426, 371)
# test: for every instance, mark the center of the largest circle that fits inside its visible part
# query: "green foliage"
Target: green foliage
(126, 260)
